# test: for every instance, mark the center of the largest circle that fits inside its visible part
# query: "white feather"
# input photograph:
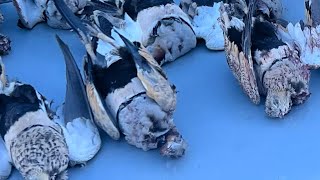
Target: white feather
(31, 11)
(5, 166)
(9, 88)
(82, 138)
(107, 50)
(131, 30)
(306, 41)
(237, 23)
(207, 27)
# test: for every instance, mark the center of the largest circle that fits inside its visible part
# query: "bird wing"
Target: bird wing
(237, 34)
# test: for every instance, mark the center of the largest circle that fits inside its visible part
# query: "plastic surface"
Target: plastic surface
(229, 138)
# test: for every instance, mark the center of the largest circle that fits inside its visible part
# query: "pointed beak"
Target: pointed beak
(76, 100)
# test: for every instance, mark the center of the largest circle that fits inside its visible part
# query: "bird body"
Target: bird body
(262, 62)
(34, 142)
(115, 72)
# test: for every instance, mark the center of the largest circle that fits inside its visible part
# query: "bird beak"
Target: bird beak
(76, 100)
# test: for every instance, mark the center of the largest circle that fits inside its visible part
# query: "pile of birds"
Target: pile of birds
(124, 90)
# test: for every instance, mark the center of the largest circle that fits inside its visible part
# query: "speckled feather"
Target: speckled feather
(240, 64)
(36, 144)
(281, 76)
(121, 97)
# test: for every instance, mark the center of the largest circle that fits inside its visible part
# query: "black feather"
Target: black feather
(116, 76)
(264, 36)
(21, 101)
(235, 36)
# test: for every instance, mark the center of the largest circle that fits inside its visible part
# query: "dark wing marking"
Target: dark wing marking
(238, 51)
(23, 99)
(76, 102)
(265, 37)
(102, 115)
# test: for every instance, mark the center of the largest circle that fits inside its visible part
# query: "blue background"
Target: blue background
(229, 138)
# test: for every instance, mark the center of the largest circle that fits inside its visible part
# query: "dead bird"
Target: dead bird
(161, 26)
(262, 63)
(75, 118)
(165, 29)
(38, 143)
(35, 144)
(127, 90)
(36, 11)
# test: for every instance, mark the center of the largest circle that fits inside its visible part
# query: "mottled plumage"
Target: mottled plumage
(161, 26)
(119, 100)
(305, 38)
(36, 144)
(263, 63)
(238, 52)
